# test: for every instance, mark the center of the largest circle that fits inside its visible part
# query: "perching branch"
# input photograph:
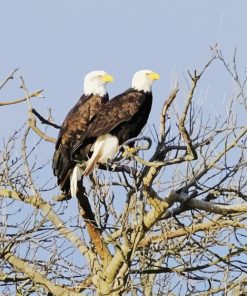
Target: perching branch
(36, 276)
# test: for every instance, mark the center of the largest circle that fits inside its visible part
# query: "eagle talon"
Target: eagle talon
(131, 150)
(110, 162)
(128, 151)
(81, 165)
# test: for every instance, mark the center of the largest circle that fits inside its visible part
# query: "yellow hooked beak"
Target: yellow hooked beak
(154, 76)
(107, 78)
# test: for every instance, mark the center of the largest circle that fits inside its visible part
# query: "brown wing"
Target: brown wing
(74, 125)
(115, 117)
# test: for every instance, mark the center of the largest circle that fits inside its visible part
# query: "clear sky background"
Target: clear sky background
(56, 42)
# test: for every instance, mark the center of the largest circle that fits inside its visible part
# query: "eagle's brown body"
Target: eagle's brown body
(72, 129)
(124, 117)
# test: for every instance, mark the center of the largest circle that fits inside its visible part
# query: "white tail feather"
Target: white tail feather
(104, 148)
(94, 158)
(74, 178)
(91, 165)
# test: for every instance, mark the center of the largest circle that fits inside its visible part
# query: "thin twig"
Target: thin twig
(43, 120)
(35, 94)
(163, 116)
(9, 77)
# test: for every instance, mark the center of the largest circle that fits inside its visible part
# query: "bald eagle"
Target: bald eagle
(117, 121)
(76, 124)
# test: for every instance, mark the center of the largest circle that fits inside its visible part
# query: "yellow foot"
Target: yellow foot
(129, 151)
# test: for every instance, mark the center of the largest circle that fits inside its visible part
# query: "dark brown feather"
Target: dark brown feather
(73, 127)
(124, 116)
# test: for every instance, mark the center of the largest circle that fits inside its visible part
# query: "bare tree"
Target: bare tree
(168, 217)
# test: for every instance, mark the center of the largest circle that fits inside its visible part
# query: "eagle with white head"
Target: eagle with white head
(76, 124)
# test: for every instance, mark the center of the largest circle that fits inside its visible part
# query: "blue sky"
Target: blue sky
(56, 42)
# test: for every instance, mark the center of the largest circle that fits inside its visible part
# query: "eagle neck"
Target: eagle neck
(93, 90)
(144, 88)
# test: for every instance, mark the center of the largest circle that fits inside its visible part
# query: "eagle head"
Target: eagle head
(95, 83)
(143, 80)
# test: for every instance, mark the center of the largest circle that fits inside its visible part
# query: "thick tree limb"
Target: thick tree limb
(36, 276)
(213, 207)
(186, 231)
(159, 206)
(93, 229)
(37, 202)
